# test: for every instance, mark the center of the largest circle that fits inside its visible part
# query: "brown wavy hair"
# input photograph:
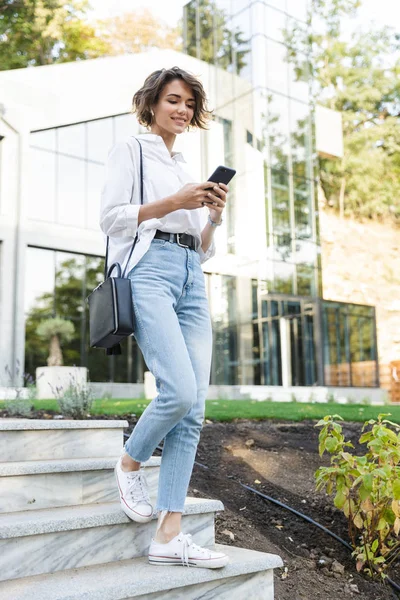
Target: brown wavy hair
(149, 94)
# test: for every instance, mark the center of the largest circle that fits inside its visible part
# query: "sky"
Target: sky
(380, 12)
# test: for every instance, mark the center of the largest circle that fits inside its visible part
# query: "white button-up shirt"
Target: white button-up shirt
(163, 175)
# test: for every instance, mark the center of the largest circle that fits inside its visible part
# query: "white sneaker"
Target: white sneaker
(133, 493)
(182, 551)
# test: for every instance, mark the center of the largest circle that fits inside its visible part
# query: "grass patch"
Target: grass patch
(227, 410)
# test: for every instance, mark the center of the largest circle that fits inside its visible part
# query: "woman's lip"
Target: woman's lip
(182, 121)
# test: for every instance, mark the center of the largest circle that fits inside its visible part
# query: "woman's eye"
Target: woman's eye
(174, 102)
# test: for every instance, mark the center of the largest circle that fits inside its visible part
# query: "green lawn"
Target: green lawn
(227, 410)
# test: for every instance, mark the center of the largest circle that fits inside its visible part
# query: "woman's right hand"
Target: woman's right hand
(195, 195)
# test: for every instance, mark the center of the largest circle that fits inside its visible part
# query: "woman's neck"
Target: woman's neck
(169, 138)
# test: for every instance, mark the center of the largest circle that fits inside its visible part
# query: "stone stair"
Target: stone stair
(63, 535)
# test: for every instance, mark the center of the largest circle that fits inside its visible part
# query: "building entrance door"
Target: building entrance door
(285, 337)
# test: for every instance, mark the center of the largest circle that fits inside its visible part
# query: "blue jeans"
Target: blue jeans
(173, 331)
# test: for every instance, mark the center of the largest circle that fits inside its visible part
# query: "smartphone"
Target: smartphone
(222, 175)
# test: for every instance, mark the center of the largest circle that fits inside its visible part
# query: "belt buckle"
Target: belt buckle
(179, 242)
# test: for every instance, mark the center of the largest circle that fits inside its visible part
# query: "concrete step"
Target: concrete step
(249, 575)
(42, 439)
(56, 539)
(33, 485)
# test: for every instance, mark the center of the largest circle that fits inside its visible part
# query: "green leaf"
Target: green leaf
(367, 480)
(340, 499)
(331, 444)
(375, 545)
(396, 489)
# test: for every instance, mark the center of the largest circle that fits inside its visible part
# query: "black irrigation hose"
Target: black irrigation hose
(292, 510)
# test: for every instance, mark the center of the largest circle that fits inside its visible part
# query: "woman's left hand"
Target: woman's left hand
(216, 200)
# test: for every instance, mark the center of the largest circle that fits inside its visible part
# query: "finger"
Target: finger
(219, 192)
(224, 187)
(215, 199)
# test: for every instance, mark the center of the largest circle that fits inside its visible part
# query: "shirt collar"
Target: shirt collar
(154, 138)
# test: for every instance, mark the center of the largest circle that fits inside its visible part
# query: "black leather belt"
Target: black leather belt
(182, 239)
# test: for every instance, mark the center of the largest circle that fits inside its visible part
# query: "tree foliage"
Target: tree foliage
(358, 76)
(219, 42)
(137, 32)
(42, 32)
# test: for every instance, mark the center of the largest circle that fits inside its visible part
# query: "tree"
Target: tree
(55, 330)
(42, 32)
(360, 78)
(137, 32)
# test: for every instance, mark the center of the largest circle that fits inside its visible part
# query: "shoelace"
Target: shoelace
(187, 543)
(137, 487)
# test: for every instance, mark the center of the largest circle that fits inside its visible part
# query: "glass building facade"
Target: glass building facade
(271, 324)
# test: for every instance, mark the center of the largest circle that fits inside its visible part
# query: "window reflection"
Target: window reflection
(277, 67)
(300, 138)
(124, 125)
(71, 140)
(349, 346)
(95, 176)
(275, 23)
(278, 131)
(71, 206)
(99, 139)
(42, 189)
(46, 140)
(65, 281)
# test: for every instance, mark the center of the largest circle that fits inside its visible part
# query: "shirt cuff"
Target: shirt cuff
(206, 255)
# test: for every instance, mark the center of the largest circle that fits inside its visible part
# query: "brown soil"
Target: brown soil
(280, 463)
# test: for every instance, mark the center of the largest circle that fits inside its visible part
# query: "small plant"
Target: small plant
(54, 331)
(367, 489)
(19, 400)
(76, 400)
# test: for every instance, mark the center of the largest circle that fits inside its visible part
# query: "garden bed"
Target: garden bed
(278, 458)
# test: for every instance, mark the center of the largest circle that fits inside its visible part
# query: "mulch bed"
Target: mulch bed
(279, 459)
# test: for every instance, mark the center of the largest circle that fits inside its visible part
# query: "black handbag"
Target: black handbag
(111, 315)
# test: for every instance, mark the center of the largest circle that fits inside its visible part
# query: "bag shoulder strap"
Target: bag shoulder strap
(141, 202)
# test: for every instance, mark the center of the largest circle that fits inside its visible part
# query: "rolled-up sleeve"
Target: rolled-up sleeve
(118, 217)
(212, 247)
(206, 255)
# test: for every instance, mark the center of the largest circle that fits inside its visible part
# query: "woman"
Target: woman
(175, 226)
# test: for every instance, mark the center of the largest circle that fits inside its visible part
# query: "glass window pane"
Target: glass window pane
(300, 139)
(125, 125)
(281, 211)
(100, 139)
(95, 174)
(299, 79)
(302, 207)
(44, 139)
(71, 140)
(240, 28)
(283, 277)
(71, 191)
(305, 280)
(275, 24)
(41, 204)
(277, 67)
(278, 131)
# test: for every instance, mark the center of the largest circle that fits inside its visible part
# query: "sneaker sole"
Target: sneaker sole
(134, 516)
(209, 563)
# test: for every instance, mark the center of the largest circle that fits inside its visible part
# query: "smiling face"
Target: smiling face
(174, 109)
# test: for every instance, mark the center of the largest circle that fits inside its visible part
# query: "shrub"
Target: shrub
(76, 400)
(19, 402)
(367, 489)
